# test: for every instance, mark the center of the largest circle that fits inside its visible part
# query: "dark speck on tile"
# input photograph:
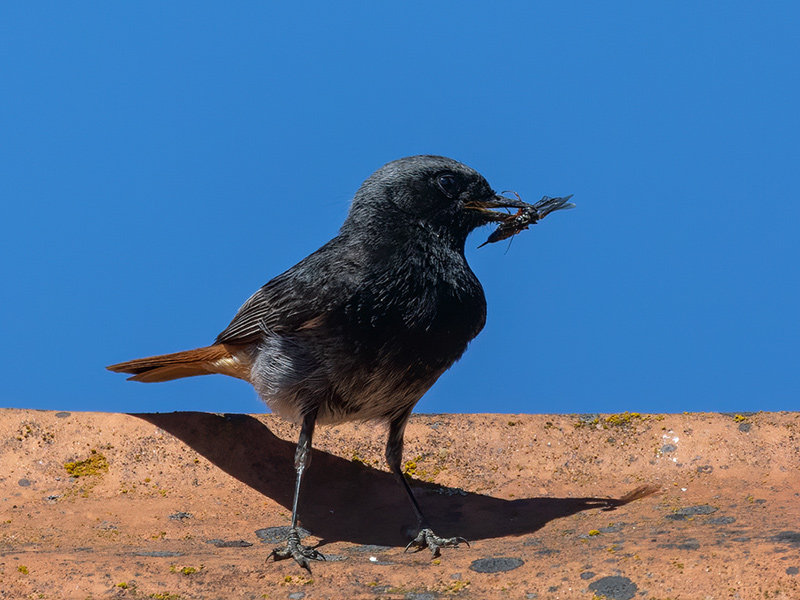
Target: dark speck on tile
(273, 535)
(700, 509)
(369, 548)
(335, 557)
(532, 542)
(614, 587)
(496, 565)
(788, 537)
(229, 543)
(687, 544)
(690, 511)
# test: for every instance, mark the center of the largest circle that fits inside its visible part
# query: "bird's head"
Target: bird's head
(438, 194)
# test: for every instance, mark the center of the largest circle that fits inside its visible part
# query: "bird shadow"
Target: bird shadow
(345, 500)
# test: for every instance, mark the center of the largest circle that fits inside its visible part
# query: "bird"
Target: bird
(360, 329)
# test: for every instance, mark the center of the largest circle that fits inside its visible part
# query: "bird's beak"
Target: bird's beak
(541, 209)
(485, 206)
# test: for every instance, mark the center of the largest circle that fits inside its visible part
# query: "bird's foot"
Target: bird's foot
(294, 549)
(427, 539)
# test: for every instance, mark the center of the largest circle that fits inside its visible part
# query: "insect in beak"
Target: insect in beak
(526, 215)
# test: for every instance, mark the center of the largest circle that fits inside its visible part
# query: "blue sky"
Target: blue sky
(161, 161)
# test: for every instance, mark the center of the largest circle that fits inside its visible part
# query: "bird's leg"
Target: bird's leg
(302, 458)
(426, 538)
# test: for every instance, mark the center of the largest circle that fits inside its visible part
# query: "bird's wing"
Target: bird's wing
(295, 300)
(260, 313)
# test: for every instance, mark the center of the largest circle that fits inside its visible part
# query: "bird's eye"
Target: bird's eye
(448, 184)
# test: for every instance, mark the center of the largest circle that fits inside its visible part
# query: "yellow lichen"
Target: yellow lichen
(297, 580)
(96, 464)
(357, 459)
(621, 419)
(450, 587)
(414, 468)
(456, 587)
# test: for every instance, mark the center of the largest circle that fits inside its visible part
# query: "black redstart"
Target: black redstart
(361, 328)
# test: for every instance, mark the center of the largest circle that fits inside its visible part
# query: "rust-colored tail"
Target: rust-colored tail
(226, 359)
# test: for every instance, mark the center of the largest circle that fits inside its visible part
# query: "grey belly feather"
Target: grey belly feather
(293, 382)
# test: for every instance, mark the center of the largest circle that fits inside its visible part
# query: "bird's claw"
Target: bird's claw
(427, 539)
(294, 549)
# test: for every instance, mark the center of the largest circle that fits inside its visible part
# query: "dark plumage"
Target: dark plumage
(363, 327)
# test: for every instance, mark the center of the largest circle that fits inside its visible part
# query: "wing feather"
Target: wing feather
(297, 299)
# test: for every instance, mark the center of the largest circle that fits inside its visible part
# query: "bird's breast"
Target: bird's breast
(424, 310)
